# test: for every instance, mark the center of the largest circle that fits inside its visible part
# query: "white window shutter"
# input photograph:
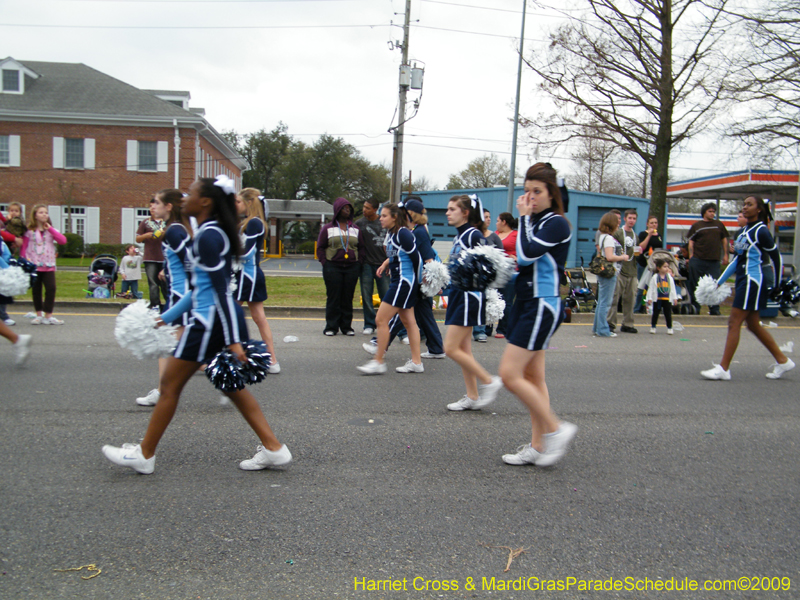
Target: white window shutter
(162, 156)
(128, 226)
(58, 153)
(133, 155)
(88, 153)
(56, 213)
(14, 151)
(92, 232)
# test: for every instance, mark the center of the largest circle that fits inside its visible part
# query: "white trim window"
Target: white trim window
(77, 224)
(148, 156)
(9, 151)
(11, 81)
(73, 153)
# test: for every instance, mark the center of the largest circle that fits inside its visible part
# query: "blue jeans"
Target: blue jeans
(132, 285)
(605, 295)
(368, 276)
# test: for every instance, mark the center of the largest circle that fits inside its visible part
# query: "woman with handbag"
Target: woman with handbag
(611, 250)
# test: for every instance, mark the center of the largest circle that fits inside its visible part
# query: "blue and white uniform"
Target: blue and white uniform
(542, 246)
(216, 319)
(753, 242)
(405, 266)
(176, 265)
(465, 309)
(252, 286)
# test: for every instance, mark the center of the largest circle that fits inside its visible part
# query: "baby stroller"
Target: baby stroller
(102, 276)
(580, 297)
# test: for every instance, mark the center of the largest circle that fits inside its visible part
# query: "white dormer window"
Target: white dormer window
(11, 83)
(12, 76)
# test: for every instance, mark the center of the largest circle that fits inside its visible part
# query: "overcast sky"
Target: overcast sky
(320, 66)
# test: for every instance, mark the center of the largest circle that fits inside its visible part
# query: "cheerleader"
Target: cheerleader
(252, 287)
(216, 321)
(542, 245)
(166, 207)
(405, 265)
(467, 309)
(21, 343)
(752, 243)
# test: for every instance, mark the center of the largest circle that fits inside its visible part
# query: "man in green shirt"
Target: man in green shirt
(627, 282)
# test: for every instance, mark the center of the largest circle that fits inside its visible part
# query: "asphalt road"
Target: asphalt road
(670, 476)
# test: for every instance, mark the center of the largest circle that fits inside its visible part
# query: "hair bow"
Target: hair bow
(477, 204)
(227, 184)
(401, 204)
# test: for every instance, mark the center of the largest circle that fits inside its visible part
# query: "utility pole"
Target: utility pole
(516, 116)
(405, 82)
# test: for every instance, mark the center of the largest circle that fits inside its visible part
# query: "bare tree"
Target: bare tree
(768, 80)
(645, 73)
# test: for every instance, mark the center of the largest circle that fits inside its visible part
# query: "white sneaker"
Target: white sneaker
(556, 444)
(151, 399)
(367, 331)
(31, 315)
(526, 455)
(411, 367)
(10, 322)
(406, 341)
(777, 369)
(52, 321)
(373, 367)
(23, 347)
(370, 348)
(716, 373)
(653, 330)
(224, 401)
(274, 369)
(130, 455)
(488, 393)
(39, 321)
(430, 355)
(267, 458)
(464, 404)
(669, 332)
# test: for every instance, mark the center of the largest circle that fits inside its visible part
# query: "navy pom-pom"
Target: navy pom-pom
(471, 272)
(227, 374)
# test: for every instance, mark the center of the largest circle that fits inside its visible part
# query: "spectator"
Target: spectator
(649, 240)
(507, 232)
(39, 247)
(131, 271)
(374, 255)
(612, 250)
(340, 249)
(150, 233)
(627, 282)
(707, 245)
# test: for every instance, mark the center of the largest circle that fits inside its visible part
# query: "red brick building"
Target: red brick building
(94, 148)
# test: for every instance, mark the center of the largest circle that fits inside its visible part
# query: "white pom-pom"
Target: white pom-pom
(495, 306)
(435, 277)
(502, 263)
(708, 293)
(136, 330)
(14, 281)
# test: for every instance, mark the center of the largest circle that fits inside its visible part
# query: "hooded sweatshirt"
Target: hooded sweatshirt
(340, 245)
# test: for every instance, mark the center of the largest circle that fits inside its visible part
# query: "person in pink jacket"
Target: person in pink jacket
(39, 247)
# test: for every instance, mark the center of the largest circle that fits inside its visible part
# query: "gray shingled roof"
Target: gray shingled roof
(78, 89)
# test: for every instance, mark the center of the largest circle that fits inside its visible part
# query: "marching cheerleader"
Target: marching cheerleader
(542, 245)
(467, 309)
(252, 287)
(21, 343)
(752, 243)
(166, 207)
(405, 265)
(216, 321)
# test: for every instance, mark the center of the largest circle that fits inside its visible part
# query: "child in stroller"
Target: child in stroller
(102, 276)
